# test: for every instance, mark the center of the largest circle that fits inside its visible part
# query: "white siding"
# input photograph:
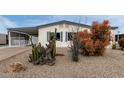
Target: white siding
(42, 33)
(34, 39)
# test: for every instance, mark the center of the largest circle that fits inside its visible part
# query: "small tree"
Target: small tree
(93, 42)
(74, 48)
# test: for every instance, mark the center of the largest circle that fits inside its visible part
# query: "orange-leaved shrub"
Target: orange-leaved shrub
(94, 41)
(121, 43)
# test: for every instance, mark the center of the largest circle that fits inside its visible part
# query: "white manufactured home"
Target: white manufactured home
(20, 36)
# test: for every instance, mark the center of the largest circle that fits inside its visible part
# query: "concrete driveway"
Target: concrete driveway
(6, 53)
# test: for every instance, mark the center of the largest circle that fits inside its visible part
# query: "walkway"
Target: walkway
(6, 53)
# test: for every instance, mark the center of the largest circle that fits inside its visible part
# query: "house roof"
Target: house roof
(64, 22)
(69, 22)
(34, 30)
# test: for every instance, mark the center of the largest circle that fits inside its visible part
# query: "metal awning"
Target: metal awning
(28, 30)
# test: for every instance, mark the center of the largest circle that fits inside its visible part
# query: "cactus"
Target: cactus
(35, 53)
(53, 52)
(54, 47)
(53, 44)
(40, 55)
(34, 56)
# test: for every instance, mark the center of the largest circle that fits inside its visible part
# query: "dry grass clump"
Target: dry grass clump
(15, 67)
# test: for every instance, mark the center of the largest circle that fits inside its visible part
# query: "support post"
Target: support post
(19, 40)
(9, 38)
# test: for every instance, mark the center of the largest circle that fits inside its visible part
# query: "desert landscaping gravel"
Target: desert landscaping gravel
(111, 65)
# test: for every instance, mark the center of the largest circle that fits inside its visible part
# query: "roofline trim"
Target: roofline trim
(64, 22)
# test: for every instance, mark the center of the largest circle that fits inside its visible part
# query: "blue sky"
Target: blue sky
(8, 21)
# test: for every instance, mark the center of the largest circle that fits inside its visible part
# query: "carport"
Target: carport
(20, 36)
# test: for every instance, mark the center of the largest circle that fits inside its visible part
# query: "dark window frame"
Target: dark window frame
(69, 36)
(58, 36)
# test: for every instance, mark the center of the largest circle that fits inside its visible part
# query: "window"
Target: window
(70, 36)
(49, 35)
(58, 36)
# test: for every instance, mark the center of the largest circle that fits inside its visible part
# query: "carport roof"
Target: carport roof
(28, 30)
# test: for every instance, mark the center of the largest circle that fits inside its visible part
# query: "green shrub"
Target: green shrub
(114, 46)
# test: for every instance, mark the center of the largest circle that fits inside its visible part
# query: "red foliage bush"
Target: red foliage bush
(93, 42)
(121, 43)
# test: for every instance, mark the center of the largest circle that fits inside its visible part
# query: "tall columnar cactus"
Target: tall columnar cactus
(35, 53)
(34, 57)
(53, 52)
(53, 44)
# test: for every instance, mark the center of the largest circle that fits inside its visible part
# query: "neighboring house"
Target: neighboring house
(117, 37)
(3, 39)
(20, 36)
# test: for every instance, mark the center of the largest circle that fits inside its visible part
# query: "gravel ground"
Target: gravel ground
(111, 65)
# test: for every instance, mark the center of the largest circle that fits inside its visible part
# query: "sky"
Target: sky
(11, 21)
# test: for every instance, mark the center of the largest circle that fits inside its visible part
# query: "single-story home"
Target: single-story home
(41, 33)
(119, 36)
